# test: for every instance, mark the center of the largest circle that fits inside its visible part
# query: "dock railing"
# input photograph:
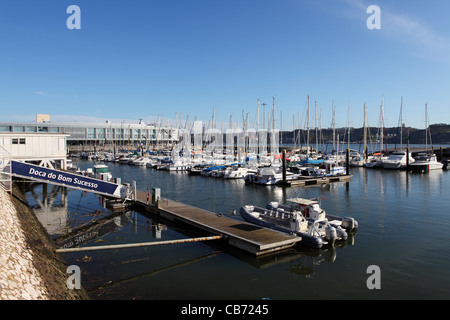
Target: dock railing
(5, 170)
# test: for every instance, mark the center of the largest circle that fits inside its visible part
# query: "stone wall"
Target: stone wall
(29, 267)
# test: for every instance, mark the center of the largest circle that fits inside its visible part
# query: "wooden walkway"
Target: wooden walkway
(309, 181)
(245, 236)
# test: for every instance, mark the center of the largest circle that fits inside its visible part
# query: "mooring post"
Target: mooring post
(134, 190)
(156, 195)
(284, 165)
(347, 158)
(407, 157)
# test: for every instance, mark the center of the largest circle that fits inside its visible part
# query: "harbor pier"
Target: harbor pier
(245, 236)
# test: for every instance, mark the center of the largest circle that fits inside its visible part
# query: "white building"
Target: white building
(43, 149)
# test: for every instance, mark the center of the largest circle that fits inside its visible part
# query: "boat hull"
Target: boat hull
(312, 241)
(393, 166)
(425, 166)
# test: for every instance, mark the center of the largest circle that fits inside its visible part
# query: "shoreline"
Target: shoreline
(30, 267)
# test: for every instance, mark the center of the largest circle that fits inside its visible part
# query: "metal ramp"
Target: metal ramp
(63, 178)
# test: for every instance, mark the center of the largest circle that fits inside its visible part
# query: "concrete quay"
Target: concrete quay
(29, 267)
(19, 279)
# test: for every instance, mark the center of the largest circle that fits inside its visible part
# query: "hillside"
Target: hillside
(440, 134)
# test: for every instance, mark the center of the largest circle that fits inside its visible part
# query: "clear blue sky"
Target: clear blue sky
(142, 58)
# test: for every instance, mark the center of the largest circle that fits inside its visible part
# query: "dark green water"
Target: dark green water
(404, 224)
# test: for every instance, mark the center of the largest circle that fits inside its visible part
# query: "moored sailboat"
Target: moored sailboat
(426, 161)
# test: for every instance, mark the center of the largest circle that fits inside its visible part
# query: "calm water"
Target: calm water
(404, 224)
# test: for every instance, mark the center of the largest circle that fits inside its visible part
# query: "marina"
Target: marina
(367, 197)
(117, 214)
(225, 152)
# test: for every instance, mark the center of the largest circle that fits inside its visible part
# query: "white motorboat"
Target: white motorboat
(141, 161)
(128, 159)
(198, 168)
(425, 162)
(269, 176)
(356, 160)
(333, 169)
(177, 165)
(304, 218)
(397, 160)
(311, 171)
(375, 161)
(235, 172)
(99, 171)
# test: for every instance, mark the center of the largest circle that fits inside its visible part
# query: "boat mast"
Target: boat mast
(273, 113)
(320, 130)
(315, 115)
(348, 125)
(365, 127)
(257, 117)
(307, 128)
(273, 142)
(382, 125)
(281, 129)
(257, 128)
(401, 124)
(334, 124)
(426, 127)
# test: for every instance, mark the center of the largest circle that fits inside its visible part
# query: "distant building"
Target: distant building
(97, 134)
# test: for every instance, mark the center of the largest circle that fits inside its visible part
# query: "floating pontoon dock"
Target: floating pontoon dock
(245, 236)
(309, 181)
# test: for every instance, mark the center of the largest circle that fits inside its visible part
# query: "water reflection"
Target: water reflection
(94, 230)
(300, 260)
(107, 289)
(68, 234)
(50, 206)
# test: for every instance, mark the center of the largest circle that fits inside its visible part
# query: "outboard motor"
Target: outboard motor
(349, 223)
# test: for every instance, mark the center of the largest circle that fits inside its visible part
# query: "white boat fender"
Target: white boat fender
(274, 204)
(341, 234)
(330, 233)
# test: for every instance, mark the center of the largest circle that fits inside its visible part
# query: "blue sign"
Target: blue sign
(65, 178)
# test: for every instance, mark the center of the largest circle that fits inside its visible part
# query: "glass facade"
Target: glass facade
(79, 133)
(18, 129)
